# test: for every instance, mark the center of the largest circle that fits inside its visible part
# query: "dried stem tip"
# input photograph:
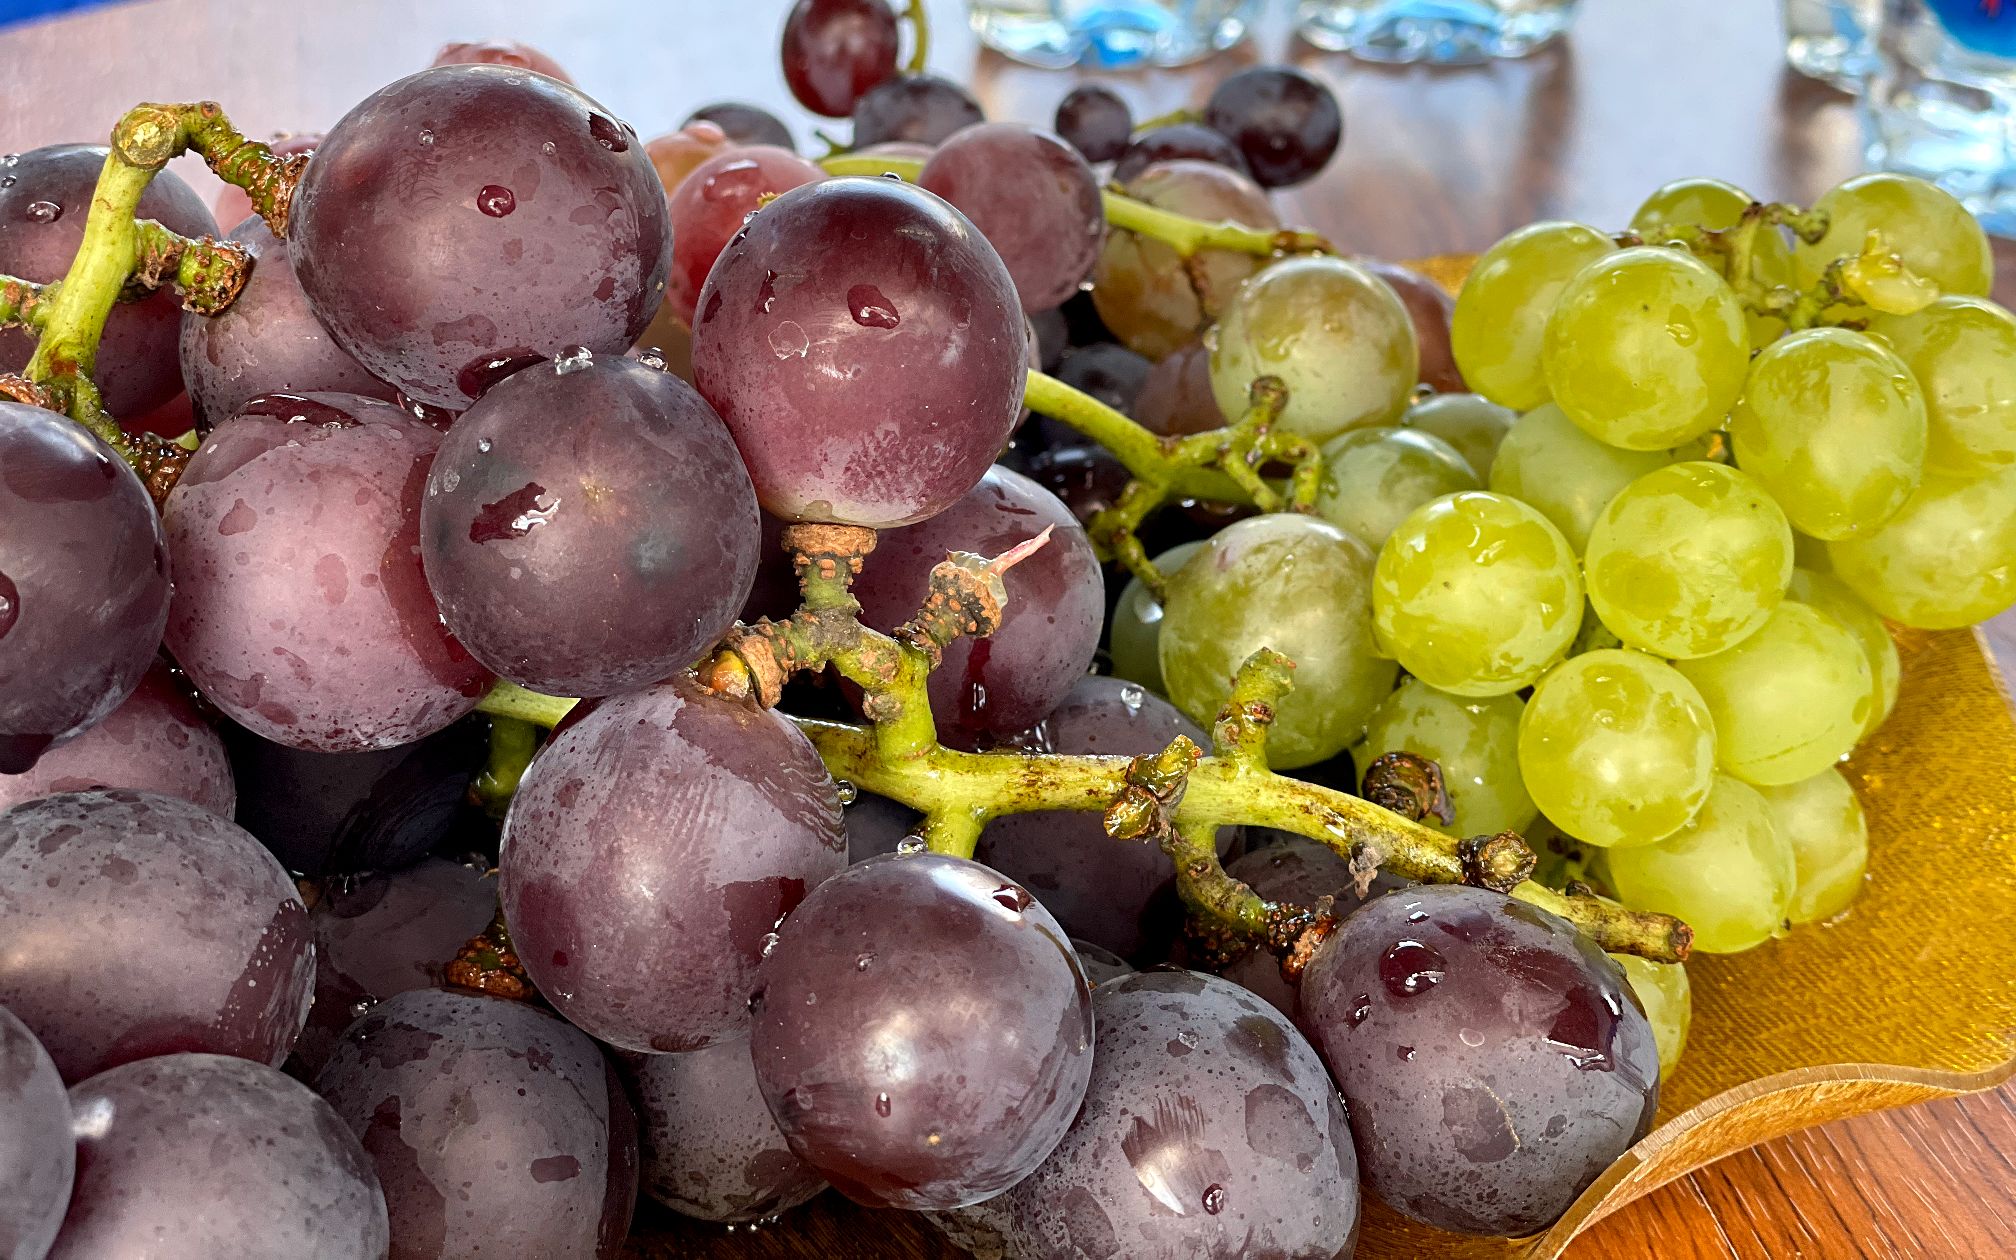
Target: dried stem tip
(966, 598)
(1500, 863)
(1410, 786)
(826, 551)
(487, 964)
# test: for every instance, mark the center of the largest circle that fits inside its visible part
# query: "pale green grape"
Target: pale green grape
(1668, 1000)
(1474, 741)
(1822, 821)
(1947, 560)
(1924, 224)
(1963, 352)
(1810, 553)
(1728, 873)
(1471, 423)
(1789, 700)
(1549, 462)
(1476, 594)
(1501, 314)
(1372, 478)
(1830, 595)
(1334, 333)
(1300, 586)
(1617, 748)
(1646, 348)
(1688, 559)
(1134, 632)
(1714, 203)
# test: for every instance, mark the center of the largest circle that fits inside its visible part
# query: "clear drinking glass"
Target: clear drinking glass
(1832, 40)
(1442, 32)
(1112, 33)
(1940, 101)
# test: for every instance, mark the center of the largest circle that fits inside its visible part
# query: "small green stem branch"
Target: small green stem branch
(513, 741)
(1173, 118)
(24, 304)
(510, 701)
(920, 36)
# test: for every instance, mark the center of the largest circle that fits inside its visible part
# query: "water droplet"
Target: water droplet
(426, 136)
(548, 148)
(846, 791)
(910, 846)
(483, 446)
(882, 1107)
(1361, 1010)
(7, 181)
(362, 1006)
(1406, 1053)
(496, 200)
(1683, 334)
(1470, 1037)
(1012, 897)
(450, 480)
(572, 359)
(1188, 1038)
(1214, 1198)
(1410, 968)
(770, 940)
(608, 133)
(1132, 696)
(933, 1138)
(870, 309)
(1417, 916)
(862, 963)
(652, 357)
(10, 604)
(788, 339)
(43, 212)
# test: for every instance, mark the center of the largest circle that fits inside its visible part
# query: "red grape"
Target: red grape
(835, 50)
(1175, 396)
(1301, 871)
(154, 742)
(712, 203)
(1095, 121)
(1430, 307)
(744, 124)
(234, 205)
(1034, 199)
(675, 154)
(38, 1157)
(1283, 121)
(1177, 141)
(920, 108)
(500, 52)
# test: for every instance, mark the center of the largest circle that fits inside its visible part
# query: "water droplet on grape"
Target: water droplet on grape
(572, 359)
(43, 212)
(863, 962)
(1132, 696)
(846, 791)
(1361, 1010)
(608, 133)
(870, 309)
(882, 1107)
(1013, 898)
(7, 181)
(788, 339)
(362, 1006)
(1214, 1198)
(652, 357)
(1188, 1038)
(483, 446)
(1410, 968)
(770, 940)
(548, 148)
(450, 480)
(426, 136)
(10, 604)
(1470, 1037)
(910, 846)
(496, 200)
(1417, 916)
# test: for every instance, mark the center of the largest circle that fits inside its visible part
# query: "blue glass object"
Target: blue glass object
(1440, 32)
(1940, 102)
(1111, 34)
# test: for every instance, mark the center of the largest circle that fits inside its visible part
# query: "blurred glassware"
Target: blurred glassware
(1112, 34)
(1832, 40)
(1440, 32)
(1940, 101)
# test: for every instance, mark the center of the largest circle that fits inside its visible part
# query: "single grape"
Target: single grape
(1960, 350)
(1822, 820)
(1549, 462)
(1476, 594)
(1100, 964)
(1134, 631)
(1474, 741)
(1494, 1060)
(277, 1174)
(497, 1130)
(886, 991)
(1728, 873)
(1789, 700)
(1085, 478)
(876, 386)
(1188, 141)
(1333, 333)
(877, 825)
(1300, 871)
(1947, 560)
(1095, 121)
(1283, 121)
(918, 108)
(1111, 373)
(492, 52)
(714, 201)
(1053, 335)
(1927, 226)
(38, 1156)
(743, 123)
(1430, 306)
(678, 154)
(1663, 990)
(1501, 312)
(1617, 748)
(1716, 204)
(1175, 396)
(836, 50)
(233, 205)
(1471, 423)
(1373, 478)
(154, 742)
(576, 237)
(1827, 593)
(1688, 559)
(1300, 586)
(1034, 199)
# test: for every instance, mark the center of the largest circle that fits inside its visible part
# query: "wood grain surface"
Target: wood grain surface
(1434, 161)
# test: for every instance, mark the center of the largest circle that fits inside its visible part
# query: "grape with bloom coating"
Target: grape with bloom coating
(740, 123)
(1094, 120)
(1717, 204)
(1474, 741)
(1668, 998)
(1174, 142)
(1789, 700)
(1134, 631)
(154, 742)
(1548, 461)
(917, 108)
(1476, 594)
(1155, 301)
(1301, 871)
(713, 202)
(1947, 560)
(38, 1157)
(1471, 423)
(1962, 350)
(1034, 199)
(1372, 478)
(1728, 873)
(1502, 309)
(1822, 820)
(1688, 559)
(1284, 121)
(1937, 237)
(1830, 595)
(834, 51)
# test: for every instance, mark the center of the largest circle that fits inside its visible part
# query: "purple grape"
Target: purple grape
(83, 582)
(1085, 478)
(923, 1032)
(866, 348)
(652, 847)
(876, 825)
(1052, 334)
(745, 124)
(1430, 306)
(154, 742)
(917, 108)
(774, 593)
(1175, 396)
(1302, 871)
(1209, 1129)
(45, 196)
(1034, 199)
(141, 925)
(1283, 121)
(1109, 372)
(710, 1148)
(713, 202)
(1095, 121)
(599, 562)
(834, 51)
(1010, 680)
(1494, 1059)
(199, 1156)
(300, 605)
(1177, 140)
(472, 213)
(38, 1157)
(498, 1131)
(1099, 963)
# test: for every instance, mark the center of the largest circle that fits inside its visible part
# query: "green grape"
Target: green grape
(1302, 587)
(1668, 1000)
(1500, 315)
(1963, 352)
(1810, 553)
(1834, 426)
(1688, 559)
(1822, 821)
(1475, 742)
(1947, 560)
(1134, 632)
(1646, 348)
(1550, 463)
(1713, 203)
(1471, 423)
(1830, 595)
(1476, 594)
(1335, 335)
(1789, 700)
(1922, 223)
(1617, 748)
(1372, 478)
(1728, 873)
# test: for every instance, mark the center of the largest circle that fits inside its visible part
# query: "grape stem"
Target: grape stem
(24, 304)
(1173, 118)
(920, 36)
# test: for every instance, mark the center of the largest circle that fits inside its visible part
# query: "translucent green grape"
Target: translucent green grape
(1549, 462)
(1927, 226)
(1822, 821)
(1789, 700)
(1728, 873)
(1302, 587)
(1502, 311)
(1668, 1000)
(1372, 478)
(1471, 423)
(1617, 748)
(1474, 741)
(1476, 594)
(1963, 352)
(1334, 333)
(1947, 560)
(1830, 595)
(1714, 203)
(1646, 348)
(1688, 559)
(1134, 632)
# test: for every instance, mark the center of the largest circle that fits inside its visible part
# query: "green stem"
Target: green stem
(512, 743)
(509, 700)
(1173, 464)
(920, 36)
(1170, 119)
(25, 304)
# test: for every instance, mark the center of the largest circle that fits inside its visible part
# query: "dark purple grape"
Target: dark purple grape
(45, 196)
(745, 124)
(1494, 1059)
(1175, 396)
(920, 108)
(922, 1032)
(498, 1131)
(710, 1148)
(200, 1156)
(38, 1157)
(1430, 306)
(588, 527)
(300, 606)
(1109, 372)
(1302, 871)
(866, 348)
(651, 849)
(83, 582)
(1049, 632)
(1052, 334)
(876, 825)
(774, 593)
(1085, 478)
(1284, 121)
(1034, 199)
(472, 213)
(1099, 963)
(154, 742)
(836, 50)
(141, 925)
(1095, 121)
(1177, 141)
(267, 342)
(713, 202)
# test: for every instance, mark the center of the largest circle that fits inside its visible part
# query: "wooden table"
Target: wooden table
(1433, 161)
